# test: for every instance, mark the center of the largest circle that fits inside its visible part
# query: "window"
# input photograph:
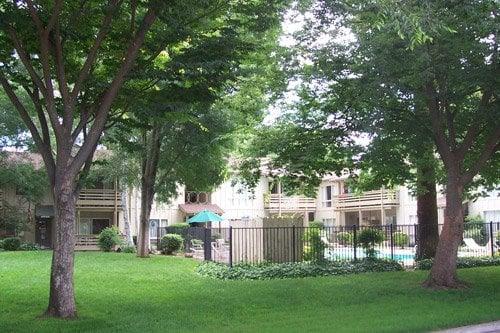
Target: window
(85, 226)
(327, 196)
(163, 223)
(413, 219)
(310, 216)
(274, 188)
(153, 228)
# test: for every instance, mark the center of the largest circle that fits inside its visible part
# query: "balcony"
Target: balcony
(276, 203)
(103, 199)
(368, 200)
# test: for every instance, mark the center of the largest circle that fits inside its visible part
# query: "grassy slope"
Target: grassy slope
(118, 292)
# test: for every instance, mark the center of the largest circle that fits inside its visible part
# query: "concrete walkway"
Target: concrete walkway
(493, 327)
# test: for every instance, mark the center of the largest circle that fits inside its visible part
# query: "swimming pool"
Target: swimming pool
(348, 254)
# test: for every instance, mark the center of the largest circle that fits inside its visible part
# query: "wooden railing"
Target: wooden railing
(99, 198)
(86, 240)
(283, 203)
(369, 199)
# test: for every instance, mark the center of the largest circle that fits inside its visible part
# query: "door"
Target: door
(98, 225)
(43, 232)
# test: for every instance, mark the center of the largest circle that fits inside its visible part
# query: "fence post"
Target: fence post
(294, 259)
(392, 241)
(206, 245)
(492, 241)
(355, 242)
(230, 246)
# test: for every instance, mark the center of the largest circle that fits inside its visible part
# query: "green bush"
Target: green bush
(267, 271)
(345, 238)
(128, 249)
(11, 243)
(179, 228)
(314, 247)
(29, 247)
(368, 238)
(171, 243)
(108, 238)
(400, 239)
(317, 224)
(1, 244)
(463, 262)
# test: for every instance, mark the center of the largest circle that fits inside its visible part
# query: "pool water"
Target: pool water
(348, 254)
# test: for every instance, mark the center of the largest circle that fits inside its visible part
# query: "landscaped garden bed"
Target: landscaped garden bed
(266, 270)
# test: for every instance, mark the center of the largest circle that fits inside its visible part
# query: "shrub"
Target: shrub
(267, 271)
(29, 247)
(11, 243)
(128, 249)
(108, 238)
(368, 238)
(400, 239)
(179, 228)
(463, 262)
(1, 244)
(170, 243)
(317, 224)
(314, 247)
(345, 238)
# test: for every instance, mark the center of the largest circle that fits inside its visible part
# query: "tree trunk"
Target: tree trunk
(62, 296)
(143, 239)
(427, 213)
(149, 170)
(443, 274)
(126, 216)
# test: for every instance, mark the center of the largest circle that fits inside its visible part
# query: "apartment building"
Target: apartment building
(106, 204)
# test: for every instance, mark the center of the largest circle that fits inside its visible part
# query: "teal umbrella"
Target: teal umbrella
(205, 216)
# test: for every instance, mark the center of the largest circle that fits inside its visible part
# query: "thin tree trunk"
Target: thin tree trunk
(149, 170)
(126, 217)
(62, 296)
(427, 213)
(444, 270)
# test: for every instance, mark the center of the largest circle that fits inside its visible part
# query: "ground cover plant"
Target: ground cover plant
(117, 292)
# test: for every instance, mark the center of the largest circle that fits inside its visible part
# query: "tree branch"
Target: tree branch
(44, 149)
(108, 98)
(492, 145)
(437, 128)
(92, 54)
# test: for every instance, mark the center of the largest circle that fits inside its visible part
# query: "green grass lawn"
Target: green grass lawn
(120, 293)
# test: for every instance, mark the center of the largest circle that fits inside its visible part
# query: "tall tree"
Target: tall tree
(440, 57)
(71, 58)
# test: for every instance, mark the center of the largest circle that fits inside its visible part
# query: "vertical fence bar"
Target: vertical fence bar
(230, 246)
(294, 255)
(355, 242)
(492, 241)
(392, 240)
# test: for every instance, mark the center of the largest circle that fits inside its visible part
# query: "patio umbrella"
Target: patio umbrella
(205, 216)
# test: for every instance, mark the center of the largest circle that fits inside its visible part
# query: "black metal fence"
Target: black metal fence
(295, 244)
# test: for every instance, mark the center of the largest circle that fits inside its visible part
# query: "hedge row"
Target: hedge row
(267, 271)
(463, 262)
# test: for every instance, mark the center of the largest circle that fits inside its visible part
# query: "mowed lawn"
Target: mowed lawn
(120, 293)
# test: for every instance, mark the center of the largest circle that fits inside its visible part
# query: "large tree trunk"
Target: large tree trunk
(427, 213)
(125, 195)
(62, 296)
(444, 270)
(143, 239)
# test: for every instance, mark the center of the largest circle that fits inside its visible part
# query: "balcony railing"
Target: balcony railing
(370, 199)
(99, 198)
(282, 203)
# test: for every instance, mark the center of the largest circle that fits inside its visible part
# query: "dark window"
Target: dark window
(274, 188)
(98, 225)
(310, 216)
(328, 193)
